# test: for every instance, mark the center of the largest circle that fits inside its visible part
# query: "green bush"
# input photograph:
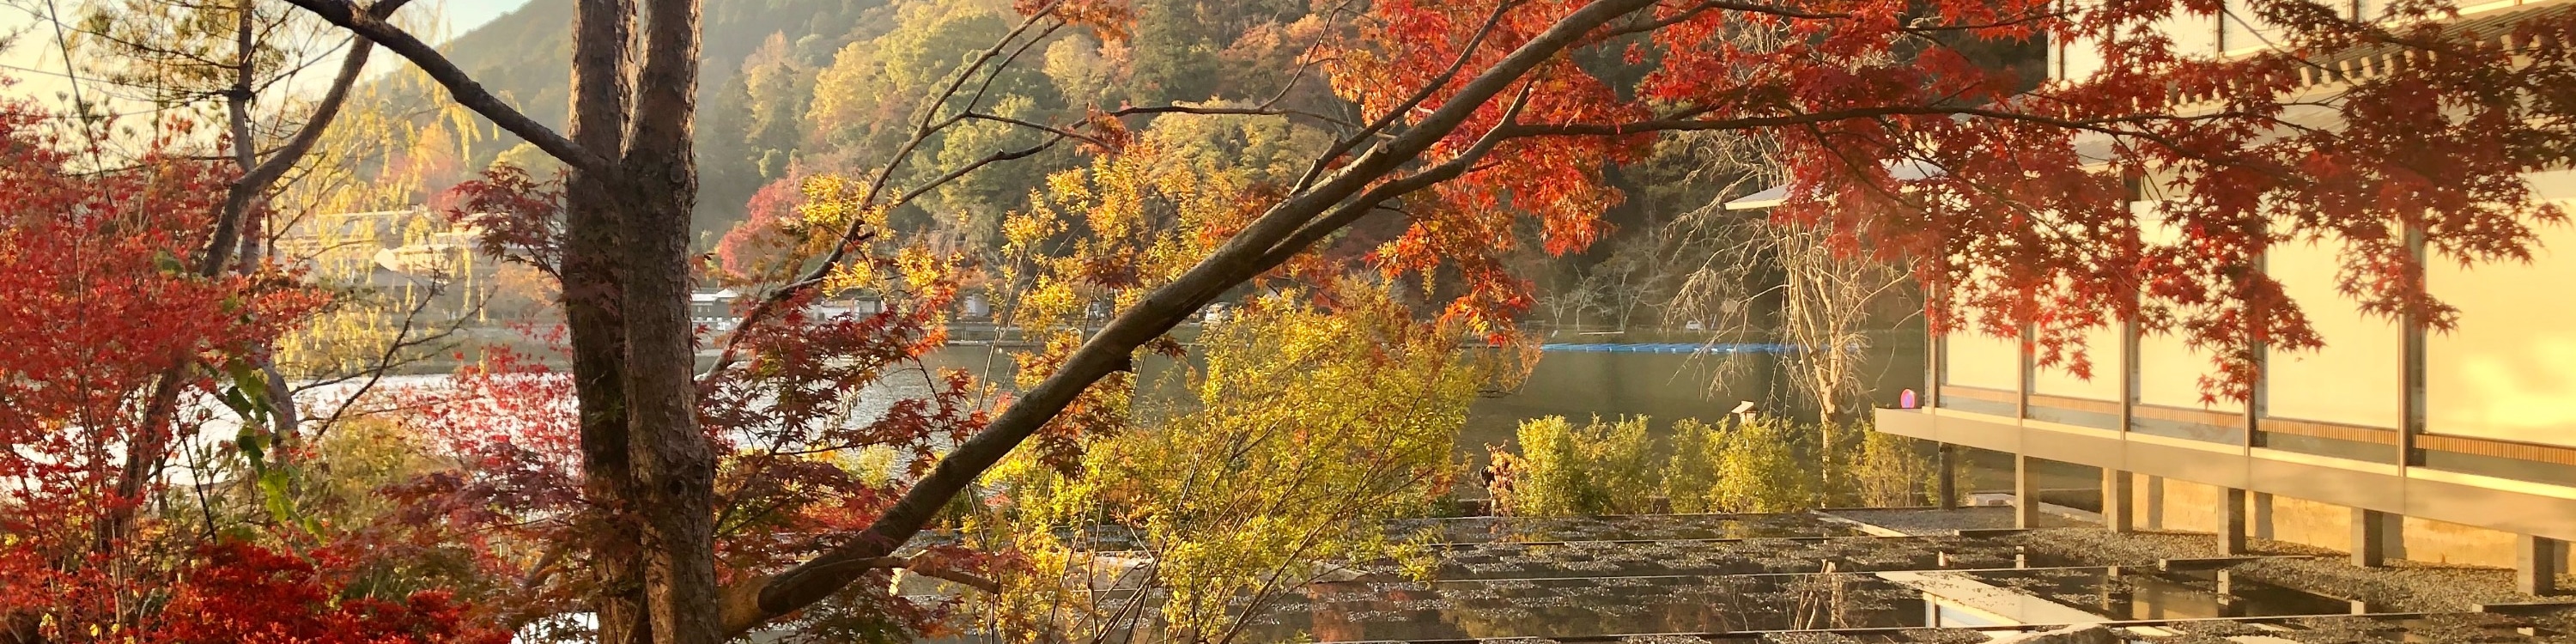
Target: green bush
(1894, 471)
(1690, 474)
(1621, 459)
(1563, 470)
(1758, 469)
(1768, 465)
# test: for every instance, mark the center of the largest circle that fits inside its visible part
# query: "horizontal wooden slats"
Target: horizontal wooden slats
(2075, 404)
(2497, 448)
(2337, 431)
(1980, 393)
(2183, 415)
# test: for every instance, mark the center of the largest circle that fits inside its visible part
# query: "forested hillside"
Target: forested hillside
(805, 86)
(794, 88)
(524, 56)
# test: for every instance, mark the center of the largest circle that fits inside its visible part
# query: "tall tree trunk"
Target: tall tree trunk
(674, 464)
(602, 88)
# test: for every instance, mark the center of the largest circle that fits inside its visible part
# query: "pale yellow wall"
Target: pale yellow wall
(2443, 542)
(1975, 360)
(2102, 346)
(2185, 506)
(2356, 378)
(2079, 59)
(2242, 32)
(2509, 371)
(2193, 35)
(2296, 520)
(2169, 374)
(2193, 507)
(2169, 370)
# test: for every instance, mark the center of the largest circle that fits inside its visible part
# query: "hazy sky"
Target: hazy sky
(34, 59)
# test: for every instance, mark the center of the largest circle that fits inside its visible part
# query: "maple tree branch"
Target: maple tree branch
(386, 361)
(757, 599)
(1060, 132)
(990, 75)
(1694, 10)
(2100, 125)
(1306, 61)
(919, 567)
(367, 24)
(1683, 16)
(997, 157)
(1459, 64)
(1226, 111)
(1349, 213)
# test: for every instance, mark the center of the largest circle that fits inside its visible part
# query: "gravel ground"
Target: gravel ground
(2402, 586)
(1929, 521)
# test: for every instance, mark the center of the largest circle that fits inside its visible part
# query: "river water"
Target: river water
(1666, 376)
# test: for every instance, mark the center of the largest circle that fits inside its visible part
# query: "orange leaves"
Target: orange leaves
(1110, 19)
(1104, 133)
(1428, 49)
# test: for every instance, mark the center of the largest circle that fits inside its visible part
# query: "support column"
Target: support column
(2025, 493)
(2155, 502)
(2119, 501)
(1948, 488)
(2227, 605)
(2369, 538)
(2535, 570)
(2231, 527)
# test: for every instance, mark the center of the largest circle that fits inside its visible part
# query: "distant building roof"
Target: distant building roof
(1775, 195)
(2089, 146)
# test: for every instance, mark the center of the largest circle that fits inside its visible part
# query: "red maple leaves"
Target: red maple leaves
(1930, 133)
(244, 593)
(99, 303)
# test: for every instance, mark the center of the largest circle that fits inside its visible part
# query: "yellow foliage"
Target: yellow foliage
(1306, 429)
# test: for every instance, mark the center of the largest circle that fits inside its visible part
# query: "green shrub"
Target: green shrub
(1894, 470)
(1769, 465)
(1563, 470)
(1690, 474)
(1758, 469)
(1621, 459)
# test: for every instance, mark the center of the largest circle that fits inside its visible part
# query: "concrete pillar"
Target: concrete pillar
(2155, 502)
(2119, 500)
(2227, 604)
(2025, 492)
(2535, 570)
(2231, 526)
(2369, 538)
(1948, 488)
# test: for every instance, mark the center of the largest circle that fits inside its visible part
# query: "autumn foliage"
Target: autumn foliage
(98, 303)
(1449, 139)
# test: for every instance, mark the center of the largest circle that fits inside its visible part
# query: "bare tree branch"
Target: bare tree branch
(372, 26)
